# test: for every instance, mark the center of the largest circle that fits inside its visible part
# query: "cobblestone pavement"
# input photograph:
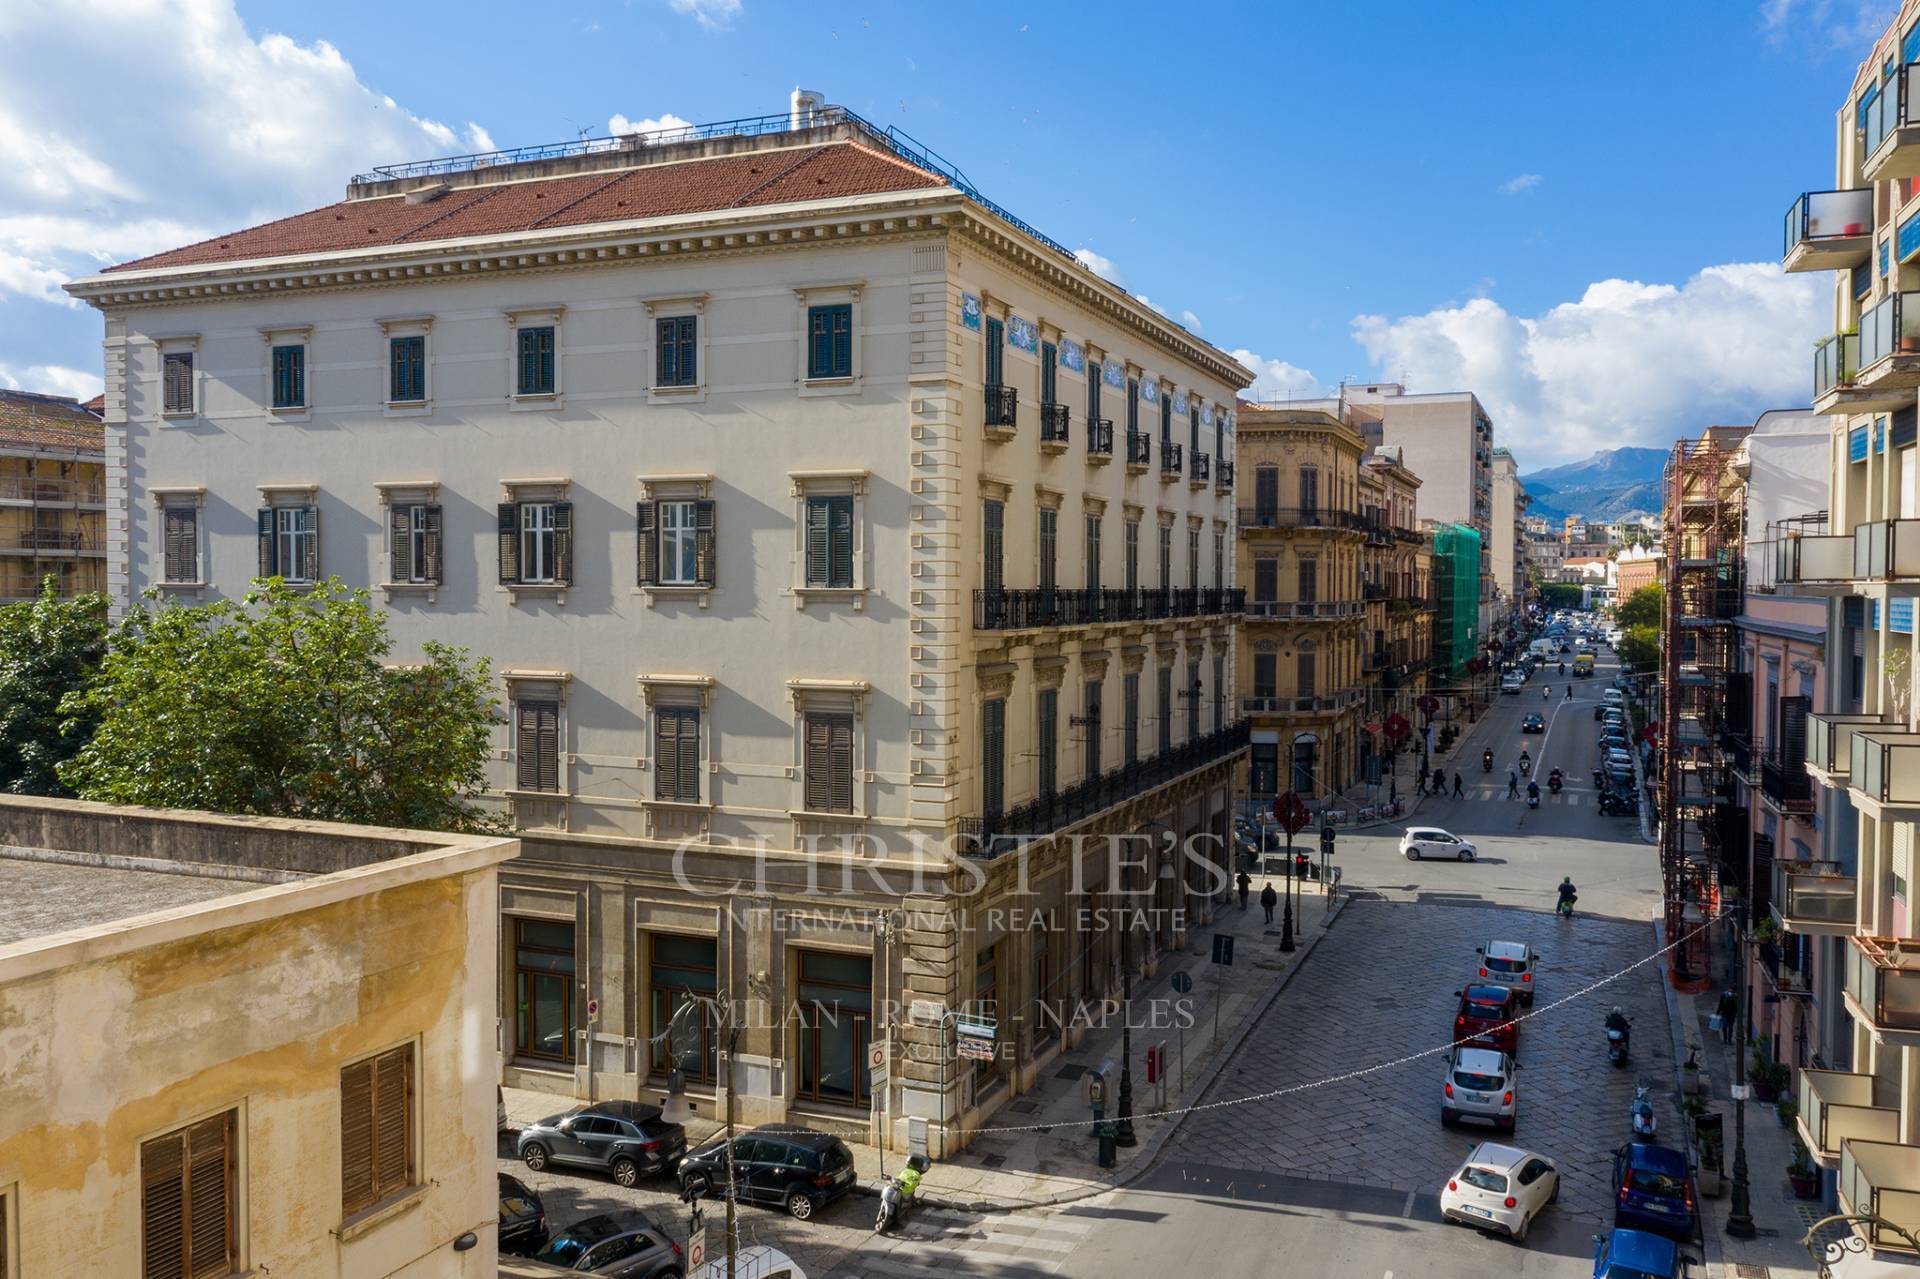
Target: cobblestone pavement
(1380, 988)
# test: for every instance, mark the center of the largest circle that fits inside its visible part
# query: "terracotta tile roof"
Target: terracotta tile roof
(32, 421)
(830, 171)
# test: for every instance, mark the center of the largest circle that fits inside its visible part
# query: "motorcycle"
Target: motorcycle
(1619, 1041)
(1486, 761)
(1565, 907)
(1612, 805)
(897, 1193)
(1644, 1123)
(1526, 763)
(1555, 781)
(1533, 797)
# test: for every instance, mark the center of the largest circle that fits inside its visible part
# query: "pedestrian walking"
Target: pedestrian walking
(1458, 789)
(1246, 882)
(1513, 784)
(1729, 1010)
(1420, 781)
(1569, 692)
(1267, 900)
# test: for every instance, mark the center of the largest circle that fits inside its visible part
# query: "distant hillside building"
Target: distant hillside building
(1636, 567)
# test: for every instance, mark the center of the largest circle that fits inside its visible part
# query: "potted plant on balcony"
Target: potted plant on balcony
(1767, 1077)
(1804, 1177)
(1764, 929)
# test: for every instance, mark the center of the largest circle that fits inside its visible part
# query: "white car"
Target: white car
(1509, 963)
(1479, 1084)
(1431, 841)
(1500, 1188)
(1612, 697)
(1513, 683)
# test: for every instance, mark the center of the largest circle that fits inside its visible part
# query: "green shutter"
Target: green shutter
(1049, 741)
(264, 519)
(840, 541)
(817, 520)
(563, 543)
(704, 553)
(993, 757)
(509, 526)
(430, 543)
(310, 560)
(649, 542)
(992, 545)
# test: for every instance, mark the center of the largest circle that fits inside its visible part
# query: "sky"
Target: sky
(1573, 210)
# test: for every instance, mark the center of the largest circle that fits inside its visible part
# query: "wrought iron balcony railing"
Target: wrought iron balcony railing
(1139, 448)
(1301, 517)
(1169, 457)
(1100, 437)
(1053, 424)
(1788, 786)
(1223, 475)
(1033, 608)
(1202, 469)
(1003, 403)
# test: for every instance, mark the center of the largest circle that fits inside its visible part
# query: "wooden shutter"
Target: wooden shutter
(186, 1201)
(264, 517)
(1049, 547)
(1049, 372)
(1166, 417)
(649, 540)
(817, 562)
(993, 756)
(310, 557)
(163, 1207)
(182, 544)
(1266, 491)
(677, 754)
(177, 389)
(1049, 740)
(376, 1129)
(816, 742)
(400, 544)
(563, 543)
(1133, 406)
(840, 541)
(996, 352)
(430, 543)
(992, 544)
(666, 349)
(843, 341)
(840, 763)
(549, 746)
(509, 525)
(704, 562)
(356, 1137)
(538, 765)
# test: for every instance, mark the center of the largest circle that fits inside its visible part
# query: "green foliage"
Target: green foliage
(1643, 608)
(48, 647)
(281, 704)
(1561, 594)
(1640, 648)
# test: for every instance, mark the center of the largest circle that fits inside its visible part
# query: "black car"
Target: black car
(787, 1165)
(626, 1139)
(523, 1218)
(1533, 724)
(624, 1244)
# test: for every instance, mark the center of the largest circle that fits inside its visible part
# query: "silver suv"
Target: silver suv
(1479, 1085)
(1510, 964)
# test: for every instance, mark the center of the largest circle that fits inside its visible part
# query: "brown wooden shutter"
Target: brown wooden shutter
(509, 524)
(643, 523)
(264, 519)
(356, 1137)
(163, 1207)
(703, 543)
(392, 1120)
(840, 762)
(430, 543)
(563, 543)
(818, 736)
(182, 545)
(689, 768)
(549, 746)
(310, 569)
(527, 733)
(186, 1201)
(400, 544)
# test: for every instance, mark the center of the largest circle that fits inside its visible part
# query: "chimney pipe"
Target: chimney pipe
(806, 108)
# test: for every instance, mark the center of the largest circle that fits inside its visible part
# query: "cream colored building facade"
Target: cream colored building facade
(1398, 589)
(1509, 537)
(243, 1046)
(53, 499)
(821, 530)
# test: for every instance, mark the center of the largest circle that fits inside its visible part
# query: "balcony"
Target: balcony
(1890, 347)
(1040, 607)
(1830, 743)
(1829, 231)
(1887, 551)
(1881, 1179)
(1890, 128)
(1100, 440)
(994, 833)
(34, 491)
(1813, 560)
(1303, 610)
(56, 541)
(1223, 477)
(1786, 980)
(1003, 407)
(1836, 380)
(1139, 452)
(1813, 898)
(1169, 461)
(1786, 785)
(1837, 1106)
(1201, 473)
(1883, 986)
(1292, 517)
(1883, 770)
(1308, 705)
(1378, 534)
(1053, 428)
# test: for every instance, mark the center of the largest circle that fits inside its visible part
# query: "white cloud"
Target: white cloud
(1149, 303)
(713, 14)
(1277, 379)
(619, 124)
(1832, 24)
(1100, 266)
(1191, 320)
(1628, 363)
(1523, 182)
(51, 379)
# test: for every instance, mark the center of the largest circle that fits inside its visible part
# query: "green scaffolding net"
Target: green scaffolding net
(1456, 589)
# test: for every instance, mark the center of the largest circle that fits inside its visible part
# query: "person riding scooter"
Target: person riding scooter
(1486, 761)
(1533, 794)
(1555, 781)
(1567, 897)
(1526, 763)
(1563, 668)
(1619, 1036)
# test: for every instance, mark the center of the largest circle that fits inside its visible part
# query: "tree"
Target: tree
(282, 704)
(1640, 648)
(48, 647)
(1643, 608)
(1561, 594)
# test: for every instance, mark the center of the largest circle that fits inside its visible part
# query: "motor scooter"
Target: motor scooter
(897, 1194)
(1644, 1123)
(1486, 761)
(1619, 1041)
(1533, 794)
(1555, 781)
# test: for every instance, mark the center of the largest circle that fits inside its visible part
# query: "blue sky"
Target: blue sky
(1513, 198)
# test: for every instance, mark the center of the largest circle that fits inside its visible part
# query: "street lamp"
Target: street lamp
(1123, 1134)
(1740, 1209)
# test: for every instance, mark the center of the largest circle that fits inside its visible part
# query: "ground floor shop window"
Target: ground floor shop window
(1046, 998)
(543, 989)
(682, 970)
(835, 1007)
(986, 1008)
(1264, 771)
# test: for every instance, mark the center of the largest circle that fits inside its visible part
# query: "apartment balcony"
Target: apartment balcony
(1223, 476)
(1880, 1180)
(1813, 898)
(1139, 452)
(1883, 772)
(1882, 986)
(1830, 744)
(1379, 534)
(1787, 981)
(1890, 347)
(1053, 428)
(1099, 441)
(1829, 231)
(1887, 552)
(1374, 592)
(27, 490)
(1378, 660)
(1327, 704)
(52, 541)
(1786, 785)
(1822, 563)
(1201, 472)
(1039, 607)
(1003, 410)
(1169, 461)
(1838, 1106)
(994, 833)
(1304, 610)
(1837, 387)
(1300, 517)
(1890, 128)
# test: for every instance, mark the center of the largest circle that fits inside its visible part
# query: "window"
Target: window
(376, 1129)
(543, 989)
(407, 369)
(1263, 771)
(1130, 722)
(676, 540)
(1219, 692)
(830, 541)
(1133, 405)
(1166, 418)
(1165, 693)
(993, 756)
(1093, 394)
(1193, 700)
(536, 543)
(1309, 581)
(1193, 429)
(683, 970)
(1093, 552)
(535, 366)
(1219, 561)
(537, 728)
(1049, 546)
(1131, 546)
(289, 539)
(289, 377)
(986, 1005)
(1309, 488)
(1304, 676)
(1049, 745)
(180, 544)
(993, 520)
(828, 766)
(993, 369)
(176, 382)
(1093, 729)
(1193, 556)
(1266, 677)
(830, 340)
(414, 542)
(1266, 580)
(1166, 556)
(1049, 373)
(676, 358)
(835, 1007)
(187, 1181)
(676, 754)
(1266, 494)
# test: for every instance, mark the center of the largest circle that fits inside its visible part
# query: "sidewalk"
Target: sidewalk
(1038, 1148)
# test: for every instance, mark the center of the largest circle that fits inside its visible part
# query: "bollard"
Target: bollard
(1109, 1157)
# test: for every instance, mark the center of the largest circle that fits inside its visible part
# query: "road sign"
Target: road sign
(1223, 949)
(972, 1028)
(877, 1053)
(1326, 839)
(1182, 983)
(974, 1049)
(593, 1010)
(926, 1012)
(697, 1249)
(1397, 726)
(1290, 812)
(1428, 703)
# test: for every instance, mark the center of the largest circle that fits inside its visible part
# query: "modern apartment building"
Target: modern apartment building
(244, 1046)
(1509, 535)
(833, 532)
(53, 497)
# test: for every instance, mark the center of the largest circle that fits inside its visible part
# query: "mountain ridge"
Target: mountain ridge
(1609, 485)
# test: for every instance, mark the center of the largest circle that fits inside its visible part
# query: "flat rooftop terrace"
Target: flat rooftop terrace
(40, 898)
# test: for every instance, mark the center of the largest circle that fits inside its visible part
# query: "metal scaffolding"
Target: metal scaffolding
(1702, 854)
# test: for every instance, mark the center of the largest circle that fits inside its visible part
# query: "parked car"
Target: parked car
(1610, 743)
(627, 1140)
(1635, 1254)
(1509, 964)
(1485, 1019)
(785, 1165)
(1533, 723)
(1500, 1188)
(523, 1218)
(1431, 841)
(624, 1245)
(1513, 683)
(1612, 697)
(1478, 1084)
(1653, 1189)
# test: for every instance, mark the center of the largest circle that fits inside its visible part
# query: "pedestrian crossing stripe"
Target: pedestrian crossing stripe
(1566, 798)
(1040, 1245)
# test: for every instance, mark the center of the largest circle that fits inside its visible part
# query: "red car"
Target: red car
(1485, 1019)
